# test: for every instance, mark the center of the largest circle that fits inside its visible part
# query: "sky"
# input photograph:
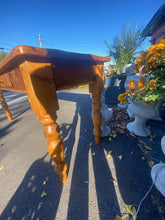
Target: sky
(71, 25)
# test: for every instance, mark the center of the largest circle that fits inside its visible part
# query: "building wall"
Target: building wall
(158, 34)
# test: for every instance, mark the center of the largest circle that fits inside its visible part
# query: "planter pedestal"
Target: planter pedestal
(142, 113)
(158, 172)
(138, 126)
(158, 177)
(106, 117)
(113, 87)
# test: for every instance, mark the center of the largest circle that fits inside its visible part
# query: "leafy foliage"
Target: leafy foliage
(124, 46)
(151, 84)
(2, 55)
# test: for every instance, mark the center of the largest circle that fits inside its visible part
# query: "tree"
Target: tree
(125, 46)
(2, 55)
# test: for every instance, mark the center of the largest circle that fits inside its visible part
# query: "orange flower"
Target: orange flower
(128, 92)
(162, 41)
(154, 81)
(145, 70)
(149, 103)
(140, 85)
(136, 70)
(142, 79)
(144, 54)
(131, 84)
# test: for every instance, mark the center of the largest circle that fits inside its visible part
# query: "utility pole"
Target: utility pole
(39, 40)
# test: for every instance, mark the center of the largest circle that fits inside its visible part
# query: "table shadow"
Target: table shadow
(39, 194)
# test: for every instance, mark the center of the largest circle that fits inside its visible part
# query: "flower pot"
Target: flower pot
(158, 172)
(142, 112)
(114, 88)
(108, 81)
(158, 177)
(106, 117)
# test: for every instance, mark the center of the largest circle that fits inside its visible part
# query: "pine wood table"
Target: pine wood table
(40, 73)
(5, 106)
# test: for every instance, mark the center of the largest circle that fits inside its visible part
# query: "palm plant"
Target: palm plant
(125, 46)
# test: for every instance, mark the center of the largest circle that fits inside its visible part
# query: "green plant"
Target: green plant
(124, 46)
(151, 85)
(2, 55)
(114, 72)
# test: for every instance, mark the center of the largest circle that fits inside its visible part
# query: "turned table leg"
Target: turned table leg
(5, 106)
(96, 90)
(56, 150)
(43, 99)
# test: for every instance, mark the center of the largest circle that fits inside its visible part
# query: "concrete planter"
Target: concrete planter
(114, 85)
(158, 172)
(142, 112)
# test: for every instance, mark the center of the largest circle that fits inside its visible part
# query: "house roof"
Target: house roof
(156, 21)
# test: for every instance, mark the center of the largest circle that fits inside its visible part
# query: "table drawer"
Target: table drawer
(5, 81)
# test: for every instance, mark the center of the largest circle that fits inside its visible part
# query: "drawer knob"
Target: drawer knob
(1, 81)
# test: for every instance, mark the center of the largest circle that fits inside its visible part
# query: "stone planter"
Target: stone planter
(108, 81)
(106, 117)
(158, 172)
(142, 112)
(114, 88)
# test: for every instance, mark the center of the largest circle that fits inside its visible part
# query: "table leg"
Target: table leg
(5, 106)
(96, 90)
(55, 149)
(43, 99)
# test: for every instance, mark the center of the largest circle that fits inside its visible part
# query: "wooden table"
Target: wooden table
(40, 73)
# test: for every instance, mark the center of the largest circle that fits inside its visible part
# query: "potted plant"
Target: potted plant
(149, 91)
(114, 85)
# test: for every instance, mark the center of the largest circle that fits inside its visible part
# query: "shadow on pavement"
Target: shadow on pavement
(16, 111)
(39, 194)
(9, 95)
(79, 194)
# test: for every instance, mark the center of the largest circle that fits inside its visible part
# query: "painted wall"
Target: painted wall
(158, 34)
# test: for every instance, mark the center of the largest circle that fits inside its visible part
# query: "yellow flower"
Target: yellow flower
(162, 41)
(161, 46)
(121, 96)
(151, 62)
(138, 60)
(152, 47)
(151, 87)
(123, 102)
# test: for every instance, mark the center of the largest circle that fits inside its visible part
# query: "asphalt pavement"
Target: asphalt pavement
(102, 179)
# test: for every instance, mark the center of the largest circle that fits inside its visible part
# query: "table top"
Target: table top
(20, 54)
